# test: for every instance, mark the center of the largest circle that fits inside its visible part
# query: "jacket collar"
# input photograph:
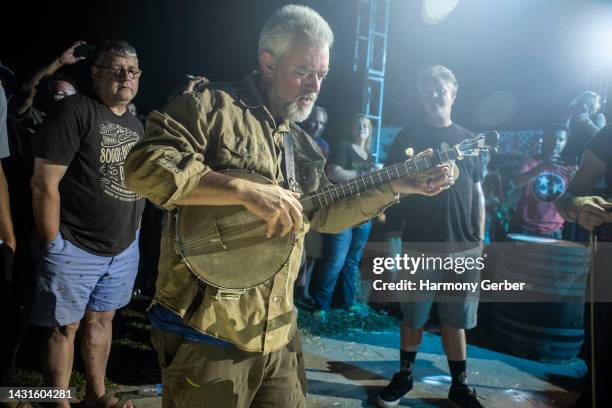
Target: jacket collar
(252, 98)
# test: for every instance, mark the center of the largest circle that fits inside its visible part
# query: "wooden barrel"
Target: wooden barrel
(551, 332)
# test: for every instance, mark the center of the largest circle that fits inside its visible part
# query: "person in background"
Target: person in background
(584, 120)
(87, 221)
(544, 179)
(314, 125)
(8, 243)
(594, 213)
(11, 314)
(30, 87)
(448, 225)
(342, 251)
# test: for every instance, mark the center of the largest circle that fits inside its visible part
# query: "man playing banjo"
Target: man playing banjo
(242, 349)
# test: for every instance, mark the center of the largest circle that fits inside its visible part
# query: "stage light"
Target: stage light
(434, 11)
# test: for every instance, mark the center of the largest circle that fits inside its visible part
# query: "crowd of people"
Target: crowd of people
(102, 188)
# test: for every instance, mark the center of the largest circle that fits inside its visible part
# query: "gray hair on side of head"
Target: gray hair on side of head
(437, 71)
(287, 23)
(582, 96)
(320, 109)
(120, 48)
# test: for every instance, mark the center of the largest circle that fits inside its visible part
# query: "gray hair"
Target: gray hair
(583, 96)
(116, 47)
(321, 109)
(437, 71)
(287, 23)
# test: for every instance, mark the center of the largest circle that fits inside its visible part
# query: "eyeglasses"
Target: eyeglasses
(116, 72)
(59, 95)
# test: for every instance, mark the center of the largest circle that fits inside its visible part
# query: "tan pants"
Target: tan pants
(203, 375)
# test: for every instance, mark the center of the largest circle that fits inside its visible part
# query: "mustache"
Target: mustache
(309, 95)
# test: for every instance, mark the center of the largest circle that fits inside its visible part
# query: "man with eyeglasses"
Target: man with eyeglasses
(87, 221)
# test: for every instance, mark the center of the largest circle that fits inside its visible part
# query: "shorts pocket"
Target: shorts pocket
(54, 244)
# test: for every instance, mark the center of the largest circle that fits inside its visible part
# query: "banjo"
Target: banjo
(226, 246)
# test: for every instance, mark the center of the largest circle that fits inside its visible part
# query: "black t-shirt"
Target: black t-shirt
(580, 135)
(98, 213)
(447, 217)
(347, 158)
(601, 146)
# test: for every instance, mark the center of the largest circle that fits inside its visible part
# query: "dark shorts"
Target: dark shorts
(203, 375)
(70, 280)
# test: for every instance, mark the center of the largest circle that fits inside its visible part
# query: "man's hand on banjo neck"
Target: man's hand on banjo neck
(280, 208)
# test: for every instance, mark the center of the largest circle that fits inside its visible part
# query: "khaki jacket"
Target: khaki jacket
(227, 126)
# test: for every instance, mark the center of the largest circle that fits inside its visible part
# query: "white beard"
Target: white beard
(294, 114)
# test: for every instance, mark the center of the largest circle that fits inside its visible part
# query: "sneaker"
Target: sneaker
(399, 386)
(463, 396)
(320, 316)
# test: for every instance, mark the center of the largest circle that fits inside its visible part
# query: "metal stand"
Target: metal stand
(371, 58)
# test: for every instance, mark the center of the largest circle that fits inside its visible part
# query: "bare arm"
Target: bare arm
(478, 210)
(29, 87)
(46, 198)
(574, 205)
(7, 234)
(587, 123)
(338, 174)
(277, 206)
(525, 177)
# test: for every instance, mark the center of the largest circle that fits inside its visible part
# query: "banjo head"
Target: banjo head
(226, 246)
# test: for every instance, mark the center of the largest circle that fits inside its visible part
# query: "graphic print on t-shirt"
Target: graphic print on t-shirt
(548, 186)
(116, 144)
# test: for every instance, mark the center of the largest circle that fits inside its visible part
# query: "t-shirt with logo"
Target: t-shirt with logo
(346, 157)
(447, 217)
(536, 211)
(98, 212)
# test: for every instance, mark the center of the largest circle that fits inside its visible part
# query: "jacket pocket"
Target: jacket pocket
(242, 146)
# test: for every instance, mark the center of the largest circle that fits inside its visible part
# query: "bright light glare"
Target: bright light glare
(434, 11)
(497, 108)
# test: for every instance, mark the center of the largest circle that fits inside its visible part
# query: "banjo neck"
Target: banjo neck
(336, 193)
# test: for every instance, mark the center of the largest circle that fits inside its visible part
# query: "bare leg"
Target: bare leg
(453, 341)
(410, 339)
(59, 358)
(95, 349)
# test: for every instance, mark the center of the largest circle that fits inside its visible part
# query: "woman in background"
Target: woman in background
(342, 251)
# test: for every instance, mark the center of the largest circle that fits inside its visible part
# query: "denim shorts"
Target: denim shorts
(70, 280)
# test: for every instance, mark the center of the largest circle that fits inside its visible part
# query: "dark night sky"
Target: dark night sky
(536, 50)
